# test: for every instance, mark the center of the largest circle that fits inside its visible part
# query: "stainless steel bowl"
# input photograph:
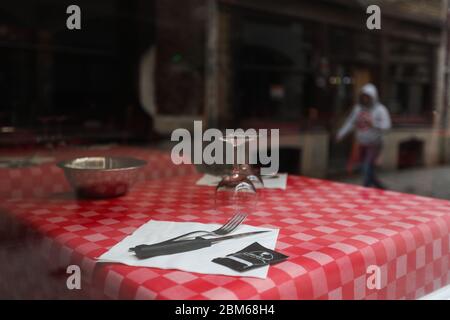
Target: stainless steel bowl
(102, 177)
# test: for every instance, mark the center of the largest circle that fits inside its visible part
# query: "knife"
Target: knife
(145, 251)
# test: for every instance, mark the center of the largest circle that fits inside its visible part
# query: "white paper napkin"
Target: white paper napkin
(17, 162)
(278, 181)
(198, 261)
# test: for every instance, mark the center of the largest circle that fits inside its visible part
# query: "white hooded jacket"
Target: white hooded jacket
(381, 121)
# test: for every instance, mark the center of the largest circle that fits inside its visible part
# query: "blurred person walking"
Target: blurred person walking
(370, 119)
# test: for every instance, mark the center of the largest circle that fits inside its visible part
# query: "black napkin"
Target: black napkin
(251, 257)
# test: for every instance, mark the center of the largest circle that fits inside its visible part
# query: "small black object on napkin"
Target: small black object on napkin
(251, 257)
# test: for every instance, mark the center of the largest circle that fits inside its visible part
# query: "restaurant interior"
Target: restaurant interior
(96, 204)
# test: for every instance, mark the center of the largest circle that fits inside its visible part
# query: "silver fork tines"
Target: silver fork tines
(227, 228)
(232, 224)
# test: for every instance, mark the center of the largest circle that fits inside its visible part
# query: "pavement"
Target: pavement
(430, 182)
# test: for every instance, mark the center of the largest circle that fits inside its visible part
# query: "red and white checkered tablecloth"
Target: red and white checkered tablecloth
(47, 178)
(332, 233)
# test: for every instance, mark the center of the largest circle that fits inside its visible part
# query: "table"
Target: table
(331, 231)
(45, 179)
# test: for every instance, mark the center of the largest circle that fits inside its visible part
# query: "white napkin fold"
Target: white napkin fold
(198, 261)
(278, 181)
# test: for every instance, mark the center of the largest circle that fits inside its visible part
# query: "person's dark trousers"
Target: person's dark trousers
(369, 155)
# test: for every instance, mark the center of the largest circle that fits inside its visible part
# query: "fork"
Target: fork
(227, 228)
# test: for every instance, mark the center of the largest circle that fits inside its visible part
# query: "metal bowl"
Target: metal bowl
(102, 177)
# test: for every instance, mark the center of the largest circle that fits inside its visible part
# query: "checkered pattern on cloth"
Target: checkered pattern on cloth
(45, 179)
(332, 233)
